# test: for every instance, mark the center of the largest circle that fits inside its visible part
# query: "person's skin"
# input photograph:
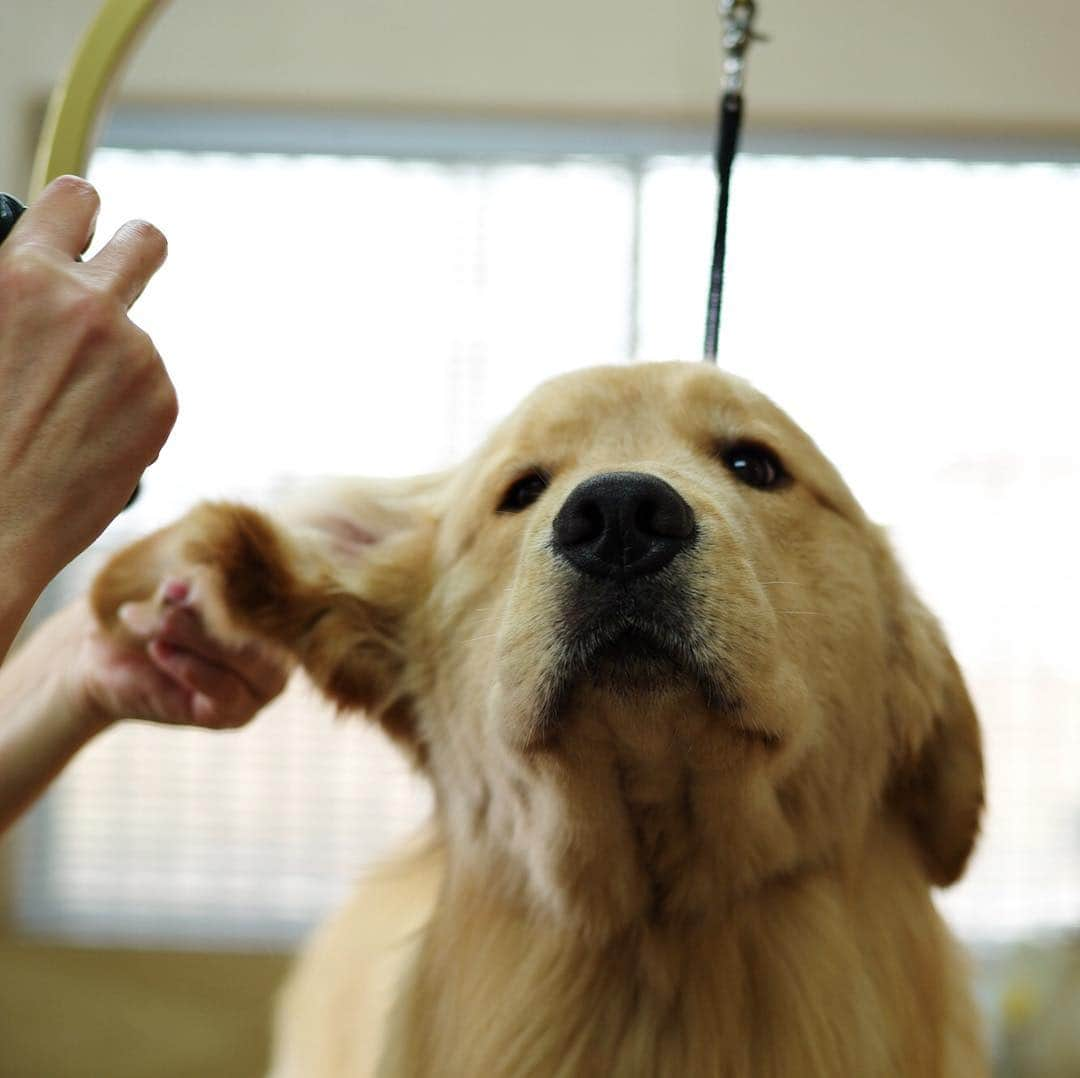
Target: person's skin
(85, 402)
(71, 681)
(85, 406)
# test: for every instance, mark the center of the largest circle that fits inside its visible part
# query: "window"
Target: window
(392, 306)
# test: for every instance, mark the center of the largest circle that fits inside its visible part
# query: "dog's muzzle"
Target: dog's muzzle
(628, 619)
(623, 525)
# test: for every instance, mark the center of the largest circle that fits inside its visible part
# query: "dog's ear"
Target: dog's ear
(376, 537)
(335, 578)
(938, 778)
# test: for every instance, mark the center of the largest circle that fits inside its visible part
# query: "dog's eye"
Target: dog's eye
(755, 465)
(524, 492)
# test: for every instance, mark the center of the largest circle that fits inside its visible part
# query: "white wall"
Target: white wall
(984, 67)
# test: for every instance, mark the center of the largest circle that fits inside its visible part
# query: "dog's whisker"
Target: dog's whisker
(813, 613)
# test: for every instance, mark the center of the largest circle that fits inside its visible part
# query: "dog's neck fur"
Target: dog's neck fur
(632, 944)
(658, 815)
(499, 988)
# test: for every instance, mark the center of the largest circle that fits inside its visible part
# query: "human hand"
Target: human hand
(168, 667)
(73, 678)
(85, 399)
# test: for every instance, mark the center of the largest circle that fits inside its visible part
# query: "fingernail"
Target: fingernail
(176, 591)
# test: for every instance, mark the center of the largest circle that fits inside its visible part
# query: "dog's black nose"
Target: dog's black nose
(623, 524)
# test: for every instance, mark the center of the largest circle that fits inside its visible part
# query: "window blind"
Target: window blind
(916, 316)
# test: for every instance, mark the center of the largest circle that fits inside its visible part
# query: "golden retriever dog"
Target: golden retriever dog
(698, 751)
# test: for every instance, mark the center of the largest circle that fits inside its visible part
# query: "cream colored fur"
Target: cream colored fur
(639, 883)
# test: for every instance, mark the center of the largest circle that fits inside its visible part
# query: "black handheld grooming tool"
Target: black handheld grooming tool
(11, 209)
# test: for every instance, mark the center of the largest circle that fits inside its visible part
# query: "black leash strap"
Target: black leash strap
(727, 143)
(738, 19)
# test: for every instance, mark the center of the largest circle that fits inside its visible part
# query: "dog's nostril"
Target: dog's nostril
(669, 519)
(645, 517)
(585, 523)
(623, 524)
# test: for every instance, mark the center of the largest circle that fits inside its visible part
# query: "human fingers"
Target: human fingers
(126, 263)
(172, 621)
(264, 674)
(128, 684)
(61, 217)
(161, 698)
(212, 715)
(217, 692)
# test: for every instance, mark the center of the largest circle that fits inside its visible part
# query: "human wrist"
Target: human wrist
(74, 702)
(43, 720)
(75, 711)
(67, 720)
(24, 572)
(17, 597)
(50, 671)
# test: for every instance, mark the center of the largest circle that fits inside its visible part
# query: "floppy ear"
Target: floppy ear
(334, 579)
(938, 782)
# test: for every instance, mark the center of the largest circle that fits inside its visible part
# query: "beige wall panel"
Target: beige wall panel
(965, 66)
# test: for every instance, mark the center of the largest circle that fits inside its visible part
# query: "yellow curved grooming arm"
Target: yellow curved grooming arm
(78, 101)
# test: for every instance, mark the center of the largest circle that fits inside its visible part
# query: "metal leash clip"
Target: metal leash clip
(738, 19)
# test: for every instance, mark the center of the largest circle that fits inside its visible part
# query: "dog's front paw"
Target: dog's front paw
(227, 561)
(195, 589)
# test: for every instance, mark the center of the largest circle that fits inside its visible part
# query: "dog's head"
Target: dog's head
(651, 652)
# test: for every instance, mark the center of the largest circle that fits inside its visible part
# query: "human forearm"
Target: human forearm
(72, 679)
(43, 724)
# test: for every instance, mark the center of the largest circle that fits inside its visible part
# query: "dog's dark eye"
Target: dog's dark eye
(755, 465)
(524, 492)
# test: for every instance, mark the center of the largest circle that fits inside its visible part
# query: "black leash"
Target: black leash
(727, 143)
(738, 17)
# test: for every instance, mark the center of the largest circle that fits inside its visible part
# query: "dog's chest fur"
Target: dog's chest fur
(800, 981)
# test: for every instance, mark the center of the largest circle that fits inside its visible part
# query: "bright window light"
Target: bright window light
(355, 315)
